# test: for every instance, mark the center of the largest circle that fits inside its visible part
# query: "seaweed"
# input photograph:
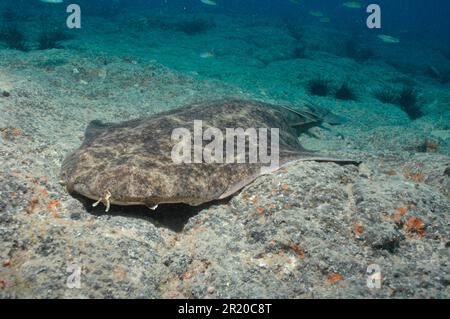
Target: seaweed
(318, 86)
(386, 95)
(408, 102)
(49, 39)
(345, 93)
(407, 99)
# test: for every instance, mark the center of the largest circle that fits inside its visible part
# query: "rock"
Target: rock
(310, 230)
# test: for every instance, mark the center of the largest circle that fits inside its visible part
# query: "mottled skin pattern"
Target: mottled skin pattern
(132, 161)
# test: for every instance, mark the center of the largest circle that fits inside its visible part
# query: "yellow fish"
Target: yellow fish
(352, 5)
(209, 2)
(388, 38)
(316, 13)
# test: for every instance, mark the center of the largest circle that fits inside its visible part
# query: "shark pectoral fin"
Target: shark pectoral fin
(234, 188)
(237, 187)
(287, 157)
(337, 160)
(305, 125)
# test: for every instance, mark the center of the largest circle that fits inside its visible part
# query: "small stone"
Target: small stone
(447, 171)
(75, 216)
(211, 290)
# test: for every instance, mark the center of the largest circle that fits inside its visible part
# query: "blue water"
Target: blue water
(424, 18)
(427, 19)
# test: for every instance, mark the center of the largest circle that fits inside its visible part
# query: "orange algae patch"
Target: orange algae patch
(43, 192)
(397, 218)
(119, 273)
(260, 210)
(15, 131)
(273, 192)
(297, 250)
(357, 227)
(334, 278)
(392, 172)
(415, 225)
(52, 207)
(402, 210)
(431, 145)
(33, 202)
(417, 177)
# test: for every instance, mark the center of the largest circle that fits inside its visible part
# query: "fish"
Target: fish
(52, 1)
(209, 2)
(207, 55)
(352, 5)
(316, 13)
(388, 38)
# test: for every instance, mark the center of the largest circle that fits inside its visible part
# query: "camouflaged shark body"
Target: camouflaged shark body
(131, 164)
